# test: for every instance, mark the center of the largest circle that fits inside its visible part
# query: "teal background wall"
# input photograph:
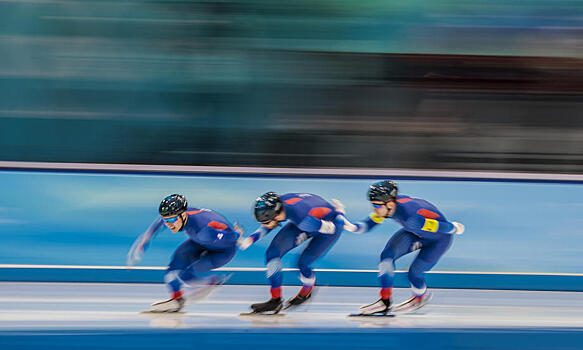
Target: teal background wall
(80, 218)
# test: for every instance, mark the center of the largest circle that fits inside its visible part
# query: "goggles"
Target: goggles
(172, 219)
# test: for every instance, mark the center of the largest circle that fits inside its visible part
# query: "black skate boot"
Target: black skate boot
(379, 307)
(272, 306)
(297, 300)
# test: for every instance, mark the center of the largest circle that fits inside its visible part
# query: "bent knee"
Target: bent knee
(272, 253)
(386, 267)
(387, 254)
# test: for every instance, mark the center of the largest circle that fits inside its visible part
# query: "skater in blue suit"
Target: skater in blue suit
(424, 228)
(309, 218)
(211, 243)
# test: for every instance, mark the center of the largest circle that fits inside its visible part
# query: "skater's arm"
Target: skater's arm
(363, 226)
(244, 243)
(419, 223)
(143, 242)
(341, 210)
(220, 238)
(313, 224)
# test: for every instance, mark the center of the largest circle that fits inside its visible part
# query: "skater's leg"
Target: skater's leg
(183, 257)
(429, 255)
(285, 240)
(317, 248)
(200, 287)
(400, 244)
(209, 260)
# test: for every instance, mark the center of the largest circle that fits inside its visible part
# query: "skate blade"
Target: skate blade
(372, 315)
(364, 307)
(408, 310)
(403, 308)
(156, 312)
(253, 313)
(292, 307)
(401, 305)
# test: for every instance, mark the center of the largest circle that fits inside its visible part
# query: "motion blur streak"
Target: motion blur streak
(387, 84)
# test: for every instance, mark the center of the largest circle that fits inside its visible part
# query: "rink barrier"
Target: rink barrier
(361, 173)
(325, 277)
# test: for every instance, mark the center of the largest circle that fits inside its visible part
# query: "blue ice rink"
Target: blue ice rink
(95, 316)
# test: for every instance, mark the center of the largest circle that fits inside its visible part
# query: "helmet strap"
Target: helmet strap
(389, 209)
(183, 219)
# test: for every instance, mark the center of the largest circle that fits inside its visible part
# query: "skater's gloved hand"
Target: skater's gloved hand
(238, 229)
(459, 228)
(327, 228)
(346, 224)
(349, 226)
(338, 206)
(136, 252)
(244, 243)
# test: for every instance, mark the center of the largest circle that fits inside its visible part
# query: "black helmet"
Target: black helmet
(267, 207)
(174, 204)
(382, 191)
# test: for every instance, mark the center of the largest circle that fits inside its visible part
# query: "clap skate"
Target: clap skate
(270, 307)
(297, 301)
(381, 307)
(169, 305)
(414, 303)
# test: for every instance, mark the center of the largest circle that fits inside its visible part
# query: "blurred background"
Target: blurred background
(384, 86)
(442, 84)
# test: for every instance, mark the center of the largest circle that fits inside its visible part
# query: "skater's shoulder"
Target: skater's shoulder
(197, 211)
(415, 202)
(405, 200)
(205, 214)
(296, 197)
